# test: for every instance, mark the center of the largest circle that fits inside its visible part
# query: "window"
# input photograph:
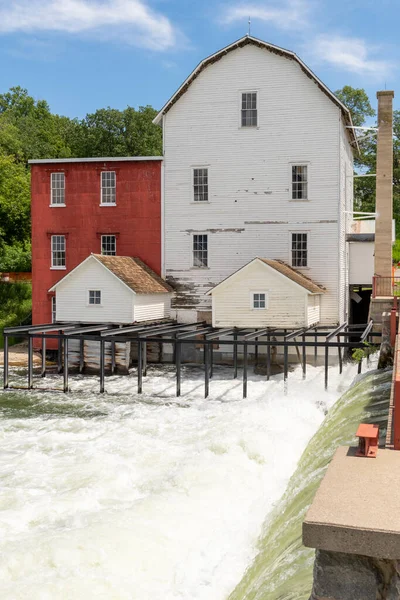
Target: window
(200, 251)
(57, 188)
(53, 310)
(94, 297)
(299, 250)
(58, 251)
(108, 245)
(108, 187)
(259, 300)
(299, 182)
(200, 185)
(249, 109)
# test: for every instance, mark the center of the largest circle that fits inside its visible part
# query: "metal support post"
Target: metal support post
(235, 355)
(315, 348)
(326, 365)
(102, 344)
(359, 366)
(178, 368)
(285, 362)
(5, 382)
(81, 355)
(112, 357)
(65, 365)
(340, 357)
(139, 368)
(43, 373)
(245, 349)
(30, 363)
(144, 359)
(268, 358)
(304, 357)
(59, 354)
(211, 347)
(206, 370)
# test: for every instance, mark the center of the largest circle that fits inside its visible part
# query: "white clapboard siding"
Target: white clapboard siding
(287, 302)
(152, 306)
(249, 212)
(72, 296)
(313, 307)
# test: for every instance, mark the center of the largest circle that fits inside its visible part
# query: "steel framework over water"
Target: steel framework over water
(317, 337)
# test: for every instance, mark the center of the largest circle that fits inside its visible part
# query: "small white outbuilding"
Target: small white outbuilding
(266, 293)
(112, 289)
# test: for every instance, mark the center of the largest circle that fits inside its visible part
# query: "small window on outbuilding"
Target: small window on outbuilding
(94, 297)
(259, 300)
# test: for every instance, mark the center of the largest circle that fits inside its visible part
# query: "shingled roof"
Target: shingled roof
(294, 275)
(135, 274)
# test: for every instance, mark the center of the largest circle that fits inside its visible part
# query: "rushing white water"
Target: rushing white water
(127, 497)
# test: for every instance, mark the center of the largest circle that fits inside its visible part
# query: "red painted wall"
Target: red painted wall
(135, 220)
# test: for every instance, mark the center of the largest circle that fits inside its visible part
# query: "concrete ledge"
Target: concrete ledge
(357, 507)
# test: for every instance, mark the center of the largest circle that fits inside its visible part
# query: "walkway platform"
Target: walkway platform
(357, 507)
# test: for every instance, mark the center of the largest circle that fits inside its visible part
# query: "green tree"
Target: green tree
(14, 201)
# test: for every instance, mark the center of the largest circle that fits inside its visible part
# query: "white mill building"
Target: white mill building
(258, 162)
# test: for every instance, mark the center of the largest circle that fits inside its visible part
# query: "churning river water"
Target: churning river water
(127, 497)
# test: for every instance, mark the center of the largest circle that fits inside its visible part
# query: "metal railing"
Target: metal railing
(388, 287)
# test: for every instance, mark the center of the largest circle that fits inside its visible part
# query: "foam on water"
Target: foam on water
(127, 497)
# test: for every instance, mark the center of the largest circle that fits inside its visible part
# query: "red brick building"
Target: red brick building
(94, 205)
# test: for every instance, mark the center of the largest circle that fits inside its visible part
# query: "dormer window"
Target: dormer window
(249, 109)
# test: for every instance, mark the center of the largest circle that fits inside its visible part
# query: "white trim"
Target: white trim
(192, 265)
(192, 168)
(222, 51)
(106, 188)
(101, 243)
(300, 163)
(308, 233)
(46, 161)
(88, 304)
(92, 256)
(57, 205)
(248, 91)
(266, 300)
(162, 218)
(52, 189)
(271, 269)
(58, 267)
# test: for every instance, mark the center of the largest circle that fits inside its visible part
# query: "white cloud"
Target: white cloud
(131, 21)
(349, 54)
(289, 14)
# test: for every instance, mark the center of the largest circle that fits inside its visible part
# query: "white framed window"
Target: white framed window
(299, 249)
(57, 197)
(108, 245)
(200, 184)
(94, 297)
(259, 300)
(53, 310)
(299, 183)
(200, 250)
(248, 111)
(108, 188)
(58, 252)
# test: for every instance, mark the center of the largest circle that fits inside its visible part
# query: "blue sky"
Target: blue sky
(81, 55)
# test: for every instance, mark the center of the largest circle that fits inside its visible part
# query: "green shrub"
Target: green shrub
(16, 258)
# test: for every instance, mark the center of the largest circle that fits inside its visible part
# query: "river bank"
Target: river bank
(18, 356)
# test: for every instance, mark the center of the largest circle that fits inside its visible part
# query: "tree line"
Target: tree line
(29, 130)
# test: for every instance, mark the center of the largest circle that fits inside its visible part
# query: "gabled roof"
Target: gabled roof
(281, 267)
(294, 275)
(244, 41)
(132, 272)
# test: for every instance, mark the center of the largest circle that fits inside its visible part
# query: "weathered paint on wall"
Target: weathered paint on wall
(249, 212)
(135, 220)
(287, 302)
